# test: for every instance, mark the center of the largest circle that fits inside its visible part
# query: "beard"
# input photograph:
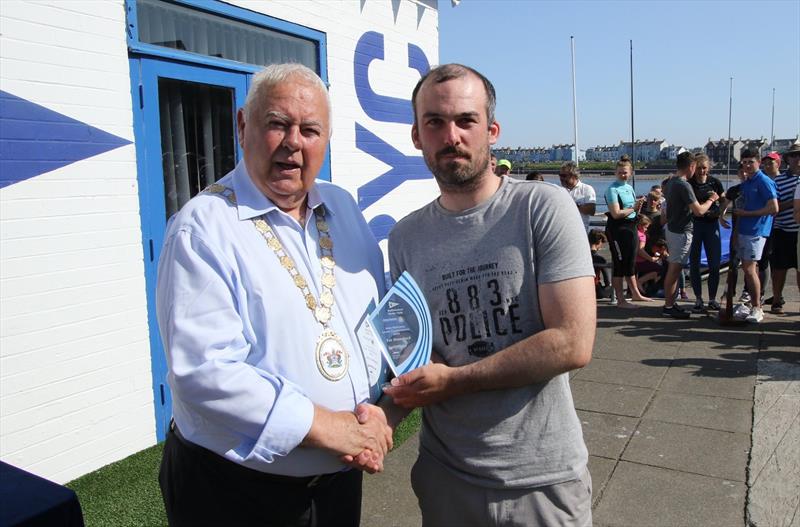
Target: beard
(458, 174)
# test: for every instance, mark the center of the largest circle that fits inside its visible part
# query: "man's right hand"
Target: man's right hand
(343, 433)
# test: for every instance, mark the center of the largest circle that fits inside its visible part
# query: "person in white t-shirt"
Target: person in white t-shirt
(582, 194)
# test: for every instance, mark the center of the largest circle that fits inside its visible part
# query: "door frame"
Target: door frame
(145, 73)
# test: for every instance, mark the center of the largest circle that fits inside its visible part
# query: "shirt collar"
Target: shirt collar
(252, 203)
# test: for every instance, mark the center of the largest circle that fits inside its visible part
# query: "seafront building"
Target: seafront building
(113, 115)
(645, 151)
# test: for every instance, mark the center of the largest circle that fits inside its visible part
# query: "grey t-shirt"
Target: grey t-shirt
(480, 270)
(679, 195)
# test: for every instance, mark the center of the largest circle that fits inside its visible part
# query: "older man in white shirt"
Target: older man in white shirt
(263, 280)
(582, 193)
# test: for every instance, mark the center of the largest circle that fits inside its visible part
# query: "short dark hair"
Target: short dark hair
(446, 72)
(748, 153)
(597, 236)
(684, 161)
(534, 176)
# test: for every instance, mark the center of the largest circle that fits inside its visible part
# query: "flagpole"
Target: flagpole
(730, 146)
(633, 144)
(574, 104)
(772, 127)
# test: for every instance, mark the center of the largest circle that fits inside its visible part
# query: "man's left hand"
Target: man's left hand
(426, 385)
(369, 461)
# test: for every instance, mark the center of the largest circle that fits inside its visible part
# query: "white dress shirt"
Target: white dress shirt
(239, 338)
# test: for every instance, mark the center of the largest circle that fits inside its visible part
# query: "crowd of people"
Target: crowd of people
(654, 238)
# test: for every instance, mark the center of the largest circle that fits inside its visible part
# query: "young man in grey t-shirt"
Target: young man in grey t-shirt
(681, 204)
(506, 270)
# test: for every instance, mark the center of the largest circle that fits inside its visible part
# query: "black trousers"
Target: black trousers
(200, 488)
(623, 242)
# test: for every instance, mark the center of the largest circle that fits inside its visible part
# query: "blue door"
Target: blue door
(185, 128)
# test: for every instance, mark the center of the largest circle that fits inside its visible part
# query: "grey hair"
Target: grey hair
(571, 168)
(275, 74)
(446, 72)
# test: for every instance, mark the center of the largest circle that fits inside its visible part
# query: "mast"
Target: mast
(574, 104)
(772, 127)
(633, 143)
(730, 146)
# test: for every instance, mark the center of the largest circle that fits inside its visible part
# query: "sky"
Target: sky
(684, 54)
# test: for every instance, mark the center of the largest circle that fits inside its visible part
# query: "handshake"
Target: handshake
(361, 438)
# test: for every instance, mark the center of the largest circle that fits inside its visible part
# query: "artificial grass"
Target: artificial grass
(407, 427)
(123, 494)
(126, 493)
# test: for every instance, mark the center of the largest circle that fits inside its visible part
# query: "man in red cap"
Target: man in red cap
(785, 228)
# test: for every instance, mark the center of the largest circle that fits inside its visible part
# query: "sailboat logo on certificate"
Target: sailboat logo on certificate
(402, 325)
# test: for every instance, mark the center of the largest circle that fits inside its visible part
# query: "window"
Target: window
(183, 28)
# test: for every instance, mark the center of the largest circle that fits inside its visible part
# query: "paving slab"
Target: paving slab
(621, 372)
(388, 500)
(774, 470)
(743, 359)
(610, 398)
(639, 495)
(718, 413)
(624, 351)
(775, 494)
(606, 435)
(697, 380)
(600, 469)
(702, 451)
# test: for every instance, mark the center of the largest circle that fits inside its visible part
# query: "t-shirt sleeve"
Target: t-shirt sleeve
(687, 193)
(591, 197)
(560, 246)
(611, 195)
(770, 189)
(797, 191)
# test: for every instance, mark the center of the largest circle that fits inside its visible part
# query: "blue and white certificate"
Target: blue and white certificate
(402, 325)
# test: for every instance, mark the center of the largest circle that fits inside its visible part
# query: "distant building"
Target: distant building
(717, 151)
(781, 145)
(644, 150)
(603, 153)
(672, 152)
(539, 154)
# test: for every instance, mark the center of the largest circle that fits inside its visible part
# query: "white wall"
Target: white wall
(344, 22)
(75, 380)
(75, 383)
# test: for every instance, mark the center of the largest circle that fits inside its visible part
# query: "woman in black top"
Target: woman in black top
(705, 233)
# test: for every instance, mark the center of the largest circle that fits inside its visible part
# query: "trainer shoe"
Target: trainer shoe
(756, 315)
(675, 312)
(745, 298)
(713, 305)
(699, 307)
(684, 295)
(741, 311)
(777, 307)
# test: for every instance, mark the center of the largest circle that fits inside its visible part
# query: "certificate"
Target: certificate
(402, 326)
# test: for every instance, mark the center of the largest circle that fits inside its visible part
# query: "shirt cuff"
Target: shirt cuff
(287, 425)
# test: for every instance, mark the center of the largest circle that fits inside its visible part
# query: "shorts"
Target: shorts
(679, 244)
(784, 249)
(750, 248)
(446, 499)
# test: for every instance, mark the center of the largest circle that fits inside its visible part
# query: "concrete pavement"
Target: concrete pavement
(687, 423)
